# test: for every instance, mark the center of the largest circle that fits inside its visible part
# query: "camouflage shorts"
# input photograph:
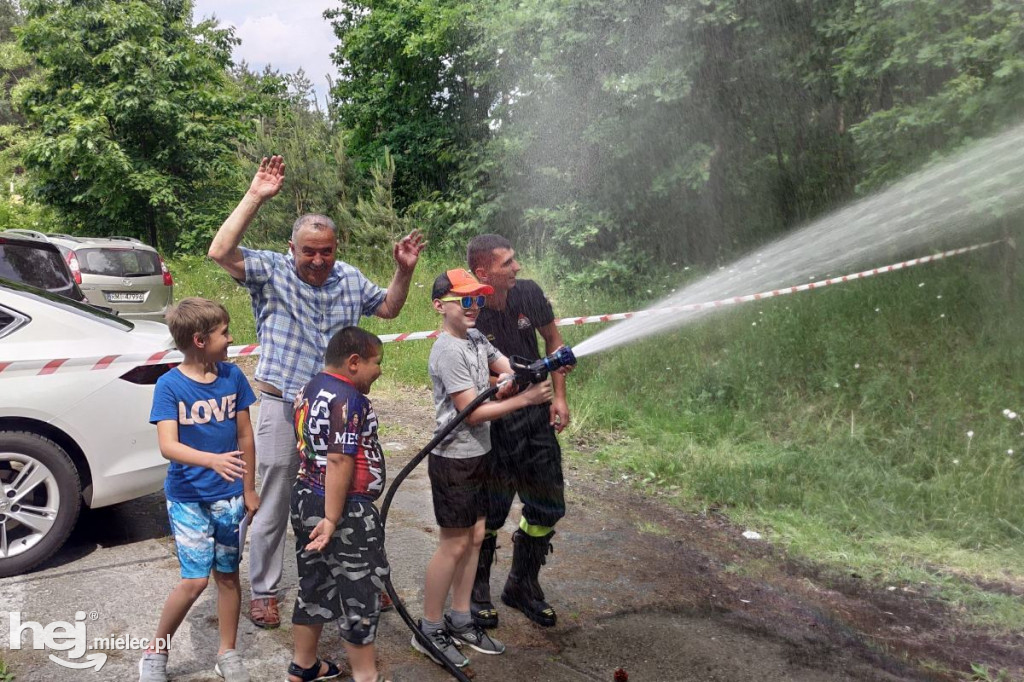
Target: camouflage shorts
(343, 582)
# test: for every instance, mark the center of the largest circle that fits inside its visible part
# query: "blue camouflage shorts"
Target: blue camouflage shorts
(206, 535)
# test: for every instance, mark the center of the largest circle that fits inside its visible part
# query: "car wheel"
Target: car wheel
(40, 496)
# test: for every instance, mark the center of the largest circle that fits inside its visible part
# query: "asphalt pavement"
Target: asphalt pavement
(638, 585)
(118, 567)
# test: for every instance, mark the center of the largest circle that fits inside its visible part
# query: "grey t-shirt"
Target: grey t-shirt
(457, 365)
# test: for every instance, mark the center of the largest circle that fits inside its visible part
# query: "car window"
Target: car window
(9, 321)
(41, 268)
(118, 262)
(67, 304)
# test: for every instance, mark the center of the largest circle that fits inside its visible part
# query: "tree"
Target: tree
(691, 129)
(919, 78)
(321, 176)
(623, 133)
(407, 86)
(134, 118)
(666, 128)
(15, 67)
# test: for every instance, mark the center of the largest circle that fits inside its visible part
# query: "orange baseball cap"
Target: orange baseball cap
(459, 282)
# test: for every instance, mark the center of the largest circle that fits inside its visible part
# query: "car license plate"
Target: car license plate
(126, 296)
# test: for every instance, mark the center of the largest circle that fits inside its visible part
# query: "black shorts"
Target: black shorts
(458, 487)
(525, 458)
(343, 582)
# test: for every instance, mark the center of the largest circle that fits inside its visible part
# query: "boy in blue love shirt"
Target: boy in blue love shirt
(201, 412)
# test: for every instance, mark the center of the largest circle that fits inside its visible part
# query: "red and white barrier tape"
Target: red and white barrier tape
(695, 307)
(170, 356)
(45, 367)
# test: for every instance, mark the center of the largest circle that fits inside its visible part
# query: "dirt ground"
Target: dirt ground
(668, 595)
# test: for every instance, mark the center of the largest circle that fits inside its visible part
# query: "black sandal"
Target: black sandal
(312, 673)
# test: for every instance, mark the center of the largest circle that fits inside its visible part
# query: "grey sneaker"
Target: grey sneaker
(230, 667)
(153, 667)
(444, 644)
(474, 636)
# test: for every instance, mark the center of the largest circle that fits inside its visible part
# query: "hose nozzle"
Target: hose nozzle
(535, 372)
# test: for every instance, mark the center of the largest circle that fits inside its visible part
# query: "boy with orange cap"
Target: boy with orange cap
(460, 366)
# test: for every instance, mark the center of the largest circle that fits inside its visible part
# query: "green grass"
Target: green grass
(982, 673)
(199, 276)
(836, 422)
(828, 406)
(839, 425)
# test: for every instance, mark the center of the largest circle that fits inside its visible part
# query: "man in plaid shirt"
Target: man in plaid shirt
(299, 299)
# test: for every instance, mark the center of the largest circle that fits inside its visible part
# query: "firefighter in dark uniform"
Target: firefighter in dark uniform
(525, 457)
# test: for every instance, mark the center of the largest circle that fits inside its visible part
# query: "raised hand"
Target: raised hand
(407, 250)
(269, 178)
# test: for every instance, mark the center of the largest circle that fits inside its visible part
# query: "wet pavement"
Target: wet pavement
(637, 585)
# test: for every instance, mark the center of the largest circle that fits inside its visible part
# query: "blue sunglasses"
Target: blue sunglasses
(467, 301)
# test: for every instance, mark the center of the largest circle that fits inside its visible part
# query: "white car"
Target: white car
(76, 385)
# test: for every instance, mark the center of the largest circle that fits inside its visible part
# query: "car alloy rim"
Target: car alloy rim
(29, 500)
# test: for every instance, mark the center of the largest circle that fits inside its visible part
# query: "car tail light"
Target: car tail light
(147, 374)
(168, 280)
(73, 266)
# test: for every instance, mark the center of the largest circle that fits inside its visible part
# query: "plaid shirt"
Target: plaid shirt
(295, 320)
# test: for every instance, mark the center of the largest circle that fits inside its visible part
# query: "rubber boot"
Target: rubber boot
(522, 589)
(480, 606)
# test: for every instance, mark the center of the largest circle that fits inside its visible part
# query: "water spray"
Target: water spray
(964, 194)
(524, 374)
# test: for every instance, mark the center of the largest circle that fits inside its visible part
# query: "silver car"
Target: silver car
(122, 273)
(30, 258)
